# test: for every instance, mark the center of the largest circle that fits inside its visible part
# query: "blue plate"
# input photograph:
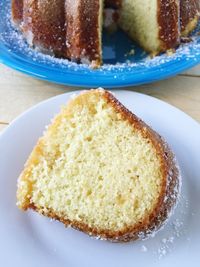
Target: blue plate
(121, 68)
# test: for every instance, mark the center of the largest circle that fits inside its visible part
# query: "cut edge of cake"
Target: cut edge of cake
(148, 25)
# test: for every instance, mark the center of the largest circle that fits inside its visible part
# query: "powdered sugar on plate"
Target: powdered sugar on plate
(173, 233)
(144, 248)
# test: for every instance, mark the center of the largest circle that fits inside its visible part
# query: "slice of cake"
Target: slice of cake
(84, 21)
(189, 12)
(154, 24)
(100, 169)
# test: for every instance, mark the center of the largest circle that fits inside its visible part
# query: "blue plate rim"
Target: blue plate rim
(165, 70)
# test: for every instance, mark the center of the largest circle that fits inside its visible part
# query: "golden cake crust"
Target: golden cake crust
(168, 20)
(83, 32)
(43, 25)
(52, 27)
(166, 200)
(17, 11)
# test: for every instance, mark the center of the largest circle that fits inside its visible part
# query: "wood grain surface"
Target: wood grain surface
(19, 92)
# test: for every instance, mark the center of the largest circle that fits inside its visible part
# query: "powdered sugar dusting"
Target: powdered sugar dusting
(144, 248)
(167, 241)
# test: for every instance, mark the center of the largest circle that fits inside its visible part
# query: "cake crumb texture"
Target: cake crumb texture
(100, 169)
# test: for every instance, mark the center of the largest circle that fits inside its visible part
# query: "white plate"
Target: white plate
(28, 239)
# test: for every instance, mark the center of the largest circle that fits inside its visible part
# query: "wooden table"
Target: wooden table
(19, 92)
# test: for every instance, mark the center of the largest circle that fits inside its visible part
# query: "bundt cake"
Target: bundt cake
(73, 29)
(100, 169)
